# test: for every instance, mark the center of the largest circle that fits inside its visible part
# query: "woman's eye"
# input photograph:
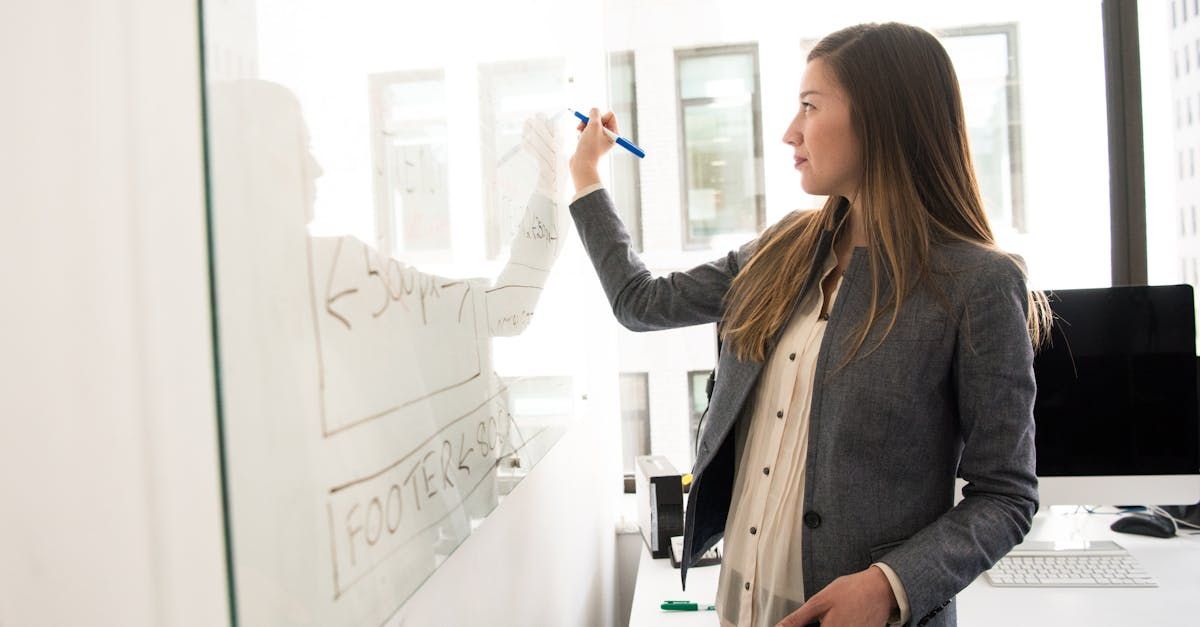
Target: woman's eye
(806, 107)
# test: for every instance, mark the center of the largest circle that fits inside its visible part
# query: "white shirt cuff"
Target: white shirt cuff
(900, 616)
(585, 191)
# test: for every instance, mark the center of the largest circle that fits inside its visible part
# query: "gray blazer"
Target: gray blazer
(949, 393)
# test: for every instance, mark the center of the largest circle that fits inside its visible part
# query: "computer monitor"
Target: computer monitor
(1116, 409)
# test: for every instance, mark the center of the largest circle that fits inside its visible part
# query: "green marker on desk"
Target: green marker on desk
(686, 606)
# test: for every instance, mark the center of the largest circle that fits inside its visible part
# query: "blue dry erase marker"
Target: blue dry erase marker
(621, 141)
(686, 606)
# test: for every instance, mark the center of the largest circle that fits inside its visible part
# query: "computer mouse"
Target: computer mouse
(1144, 525)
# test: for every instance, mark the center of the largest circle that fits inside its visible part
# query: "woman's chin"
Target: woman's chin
(812, 188)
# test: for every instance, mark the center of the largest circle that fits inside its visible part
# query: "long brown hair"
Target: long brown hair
(918, 187)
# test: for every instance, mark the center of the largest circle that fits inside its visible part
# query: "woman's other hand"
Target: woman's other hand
(593, 144)
(864, 598)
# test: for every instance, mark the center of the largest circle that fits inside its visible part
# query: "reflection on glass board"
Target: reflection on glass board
(333, 353)
(544, 404)
(408, 116)
(509, 92)
(370, 418)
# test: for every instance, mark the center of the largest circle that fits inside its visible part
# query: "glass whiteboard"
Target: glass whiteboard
(395, 349)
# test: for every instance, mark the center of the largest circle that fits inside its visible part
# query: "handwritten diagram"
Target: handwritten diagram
(368, 432)
(389, 338)
(373, 517)
(384, 332)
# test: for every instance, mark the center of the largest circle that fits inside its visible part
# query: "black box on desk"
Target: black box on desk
(659, 491)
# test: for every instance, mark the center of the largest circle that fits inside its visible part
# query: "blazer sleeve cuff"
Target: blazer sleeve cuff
(901, 615)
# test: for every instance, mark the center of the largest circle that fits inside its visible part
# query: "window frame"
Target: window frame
(644, 377)
(1012, 95)
(1126, 142)
(682, 54)
(630, 130)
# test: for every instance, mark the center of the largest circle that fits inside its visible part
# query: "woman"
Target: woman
(873, 350)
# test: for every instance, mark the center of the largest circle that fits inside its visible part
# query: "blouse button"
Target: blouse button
(792, 357)
(779, 414)
(766, 470)
(747, 585)
(753, 530)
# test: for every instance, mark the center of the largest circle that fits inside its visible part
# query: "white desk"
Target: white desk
(1174, 562)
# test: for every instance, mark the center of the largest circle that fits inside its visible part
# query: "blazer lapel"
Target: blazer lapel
(736, 378)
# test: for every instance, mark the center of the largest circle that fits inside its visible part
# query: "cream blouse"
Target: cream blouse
(761, 579)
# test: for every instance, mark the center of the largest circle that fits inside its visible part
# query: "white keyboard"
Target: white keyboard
(1097, 565)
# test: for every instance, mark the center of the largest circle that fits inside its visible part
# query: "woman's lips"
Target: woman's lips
(800, 161)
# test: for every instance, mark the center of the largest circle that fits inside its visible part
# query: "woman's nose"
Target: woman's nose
(793, 136)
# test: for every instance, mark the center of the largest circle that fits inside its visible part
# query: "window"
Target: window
(635, 418)
(626, 181)
(697, 404)
(513, 91)
(1168, 264)
(985, 59)
(721, 142)
(408, 139)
